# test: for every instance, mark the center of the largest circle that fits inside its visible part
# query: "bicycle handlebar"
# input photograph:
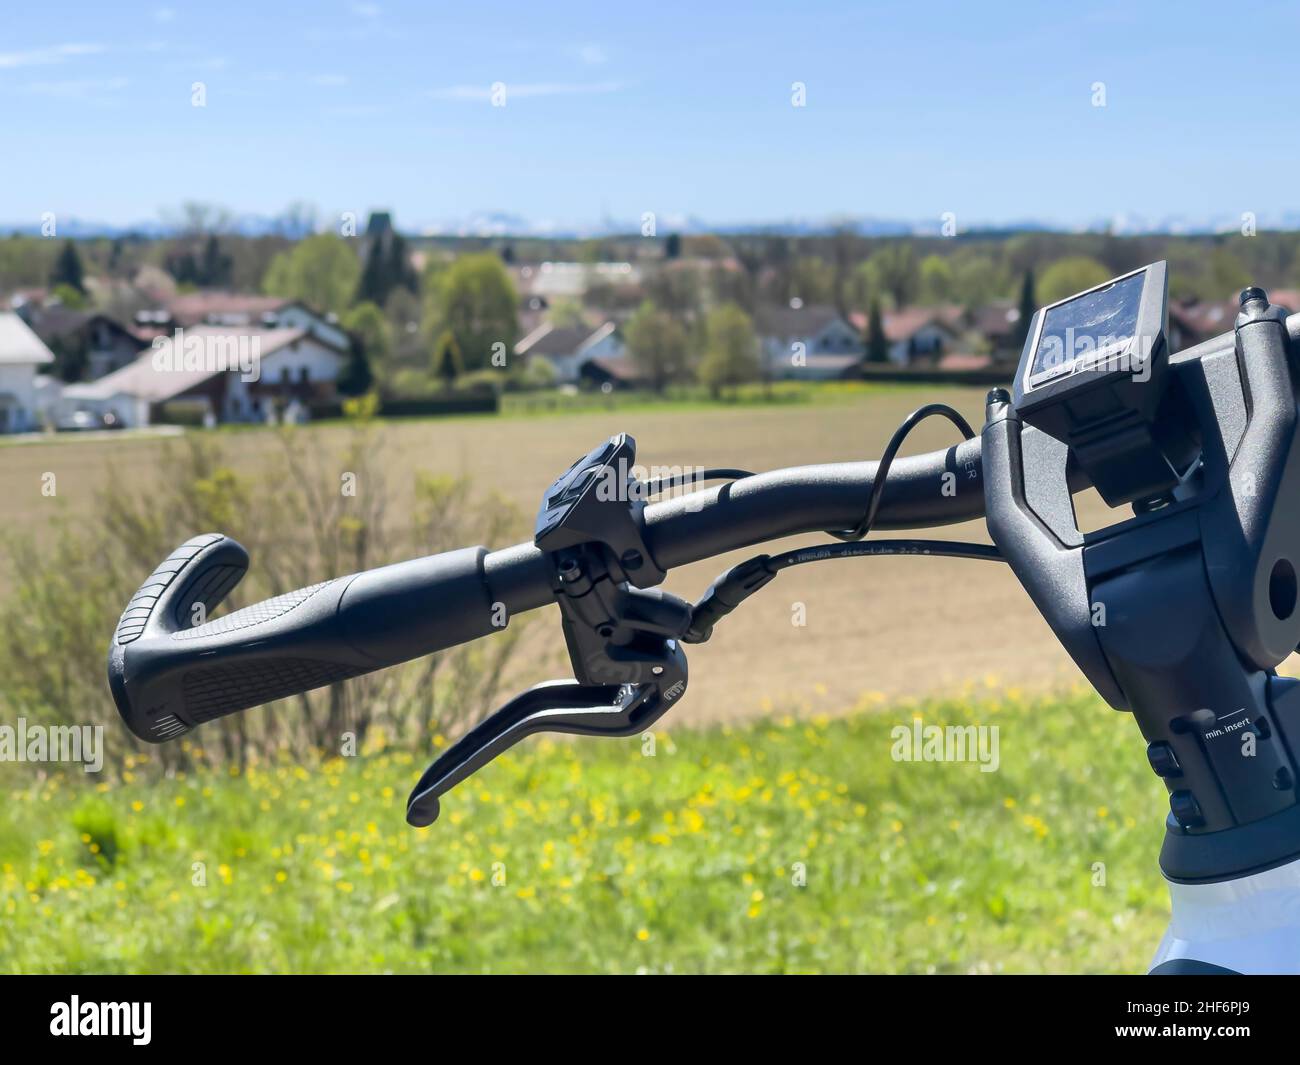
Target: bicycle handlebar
(170, 669)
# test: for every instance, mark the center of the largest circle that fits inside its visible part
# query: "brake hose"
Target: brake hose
(740, 582)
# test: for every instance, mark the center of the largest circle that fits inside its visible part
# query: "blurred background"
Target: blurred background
(466, 246)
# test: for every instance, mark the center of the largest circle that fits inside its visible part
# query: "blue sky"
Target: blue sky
(913, 109)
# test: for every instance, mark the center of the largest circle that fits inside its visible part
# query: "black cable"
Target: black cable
(740, 582)
(887, 459)
(943, 548)
(651, 488)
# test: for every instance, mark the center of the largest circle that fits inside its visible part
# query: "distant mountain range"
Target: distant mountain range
(505, 224)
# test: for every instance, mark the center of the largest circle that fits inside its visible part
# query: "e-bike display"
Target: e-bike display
(1178, 611)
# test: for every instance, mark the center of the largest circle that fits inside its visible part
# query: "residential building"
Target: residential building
(608, 375)
(569, 348)
(918, 334)
(1192, 321)
(921, 334)
(999, 324)
(242, 311)
(216, 373)
(22, 357)
(809, 342)
(92, 341)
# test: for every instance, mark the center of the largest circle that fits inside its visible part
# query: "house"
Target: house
(921, 333)
(216, 373)
(568, 348)
(918, 334)
(22, 356)
(606, 375)
(810, 342)
(242, 311)
(92, 341)
(1192, 320)
(999, 324)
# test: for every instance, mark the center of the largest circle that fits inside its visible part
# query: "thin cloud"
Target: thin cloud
(591, 54)
(76, 89)
(478, 93)
(164, 14)
(44, 56)
(366, 10)
(332, 80)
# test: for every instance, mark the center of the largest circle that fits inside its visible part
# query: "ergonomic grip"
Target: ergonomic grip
(170, 669)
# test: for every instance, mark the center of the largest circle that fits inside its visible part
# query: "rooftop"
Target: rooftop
(19, 345)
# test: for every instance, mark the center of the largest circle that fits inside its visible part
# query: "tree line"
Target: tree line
(457, 316)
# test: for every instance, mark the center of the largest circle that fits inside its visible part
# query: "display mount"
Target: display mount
(1093, 375)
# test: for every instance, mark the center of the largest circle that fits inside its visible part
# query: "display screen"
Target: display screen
(1095, 329)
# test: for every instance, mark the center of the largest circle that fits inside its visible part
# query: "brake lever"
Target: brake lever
(553, 706)
(621, 633)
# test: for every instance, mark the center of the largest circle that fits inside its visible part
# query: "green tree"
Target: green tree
(861, 286)
(373, 285)
(476, 300)
(387, 268)
(676, 290)
(936, 279)
(657, 344)
(447, 361)
(730, 350)
(322, 271)
(877, 342)
(1067, 276)
(215, 266)
(400, 270)
(405, 314)
(977, 278)
(673, 246)
(812, 280)
(72, 298)
(895, 266)
(67, 268)
(368, 325)
(356, 377)
(566, 314)
(1227, 274)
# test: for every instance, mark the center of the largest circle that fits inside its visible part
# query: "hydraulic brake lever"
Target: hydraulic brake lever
(622, 635)
(554, 706)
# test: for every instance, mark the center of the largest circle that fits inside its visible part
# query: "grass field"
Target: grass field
(592, 856)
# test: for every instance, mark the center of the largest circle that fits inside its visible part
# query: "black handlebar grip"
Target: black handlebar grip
(169, 674)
